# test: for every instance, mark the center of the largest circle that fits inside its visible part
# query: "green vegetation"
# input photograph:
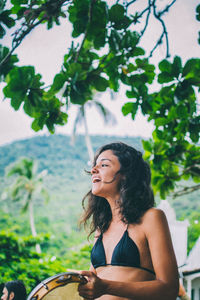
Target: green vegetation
(18, 261)
(67, 183)
(27, 183)
(106, 54)
(57, 220)
(64, 245)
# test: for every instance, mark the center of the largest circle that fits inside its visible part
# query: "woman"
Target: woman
(133, 256)
(14, 290)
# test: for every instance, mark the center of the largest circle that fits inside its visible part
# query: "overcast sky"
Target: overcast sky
(45, 50)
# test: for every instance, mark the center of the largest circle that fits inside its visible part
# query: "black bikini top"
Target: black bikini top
(125, 253)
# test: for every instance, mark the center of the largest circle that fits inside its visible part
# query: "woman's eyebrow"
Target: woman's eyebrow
(105, 159)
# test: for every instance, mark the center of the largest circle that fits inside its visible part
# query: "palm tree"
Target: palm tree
(81, 117)
(27, 183)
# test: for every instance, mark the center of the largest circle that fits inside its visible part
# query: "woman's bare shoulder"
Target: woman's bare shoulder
(154, 216)
(153, 212)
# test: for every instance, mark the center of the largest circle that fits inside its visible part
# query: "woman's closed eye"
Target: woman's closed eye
(105, 165)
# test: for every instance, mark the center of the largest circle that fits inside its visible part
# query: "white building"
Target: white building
(191, 272)
(189, 266)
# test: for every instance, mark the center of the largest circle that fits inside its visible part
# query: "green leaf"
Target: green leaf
(99, 40)
(6, 19)
(74, 68)
(165, 77)
(172, 114)
(8, 63)
(76, 97)
(58, 82)
(100, 83)
(176, 67)
(116, 13)
(161, 121)
(160, 134)
(184, 90)
(23, 85)
(2, 32)
(78, 16)
(138, 51)
(78, 28)
(198, 12)
(131, 94)
(198, 37)
(165, 66)
(122, 24)
(182, 111)
(128, 108)
(194, 135)
(190, 66)
(19, 2)
(131, 67)
(181, 129)
(115, 40)
(35, 126)
(28, 108)
(129, 39)
(158, 159)
(147, 145)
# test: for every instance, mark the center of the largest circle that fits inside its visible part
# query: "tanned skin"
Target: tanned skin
(152, 237)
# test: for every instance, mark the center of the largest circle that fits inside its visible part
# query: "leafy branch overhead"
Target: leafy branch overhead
(106, 53)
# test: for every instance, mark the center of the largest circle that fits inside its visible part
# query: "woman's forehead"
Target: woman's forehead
(107, 155)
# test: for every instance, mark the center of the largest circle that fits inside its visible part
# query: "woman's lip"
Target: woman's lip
(95, 179)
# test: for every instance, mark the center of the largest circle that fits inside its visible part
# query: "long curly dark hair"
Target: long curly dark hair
(136, 195)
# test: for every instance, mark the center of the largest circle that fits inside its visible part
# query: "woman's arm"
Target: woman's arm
(162, 252)
(92, 269)
(164, 287)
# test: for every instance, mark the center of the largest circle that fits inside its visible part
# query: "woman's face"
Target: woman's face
(105, 181)
(5, 294)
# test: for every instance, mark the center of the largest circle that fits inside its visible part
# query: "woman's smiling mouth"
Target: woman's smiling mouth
(95, 179)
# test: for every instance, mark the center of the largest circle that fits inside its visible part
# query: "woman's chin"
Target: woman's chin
(95, 192)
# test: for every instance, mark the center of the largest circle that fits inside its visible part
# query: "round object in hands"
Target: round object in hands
(62, 286)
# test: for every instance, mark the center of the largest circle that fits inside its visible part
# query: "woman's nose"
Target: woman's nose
(94, 170)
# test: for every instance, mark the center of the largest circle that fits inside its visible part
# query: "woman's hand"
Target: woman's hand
(94, 288)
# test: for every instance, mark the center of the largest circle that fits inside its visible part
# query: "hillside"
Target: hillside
(55, 152)
(67, 183)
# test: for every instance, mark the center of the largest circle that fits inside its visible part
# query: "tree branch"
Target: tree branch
(186, 190)
(147, 18)
(17, 40)
(158, 16)
(131, 2)
(86, 30)
(190, 170)
(28, 25)
(164, 33)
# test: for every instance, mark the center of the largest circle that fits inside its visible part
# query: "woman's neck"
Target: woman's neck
(115, 209)
(116, 215)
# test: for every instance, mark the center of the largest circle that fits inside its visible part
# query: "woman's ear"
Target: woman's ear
(12, 295)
